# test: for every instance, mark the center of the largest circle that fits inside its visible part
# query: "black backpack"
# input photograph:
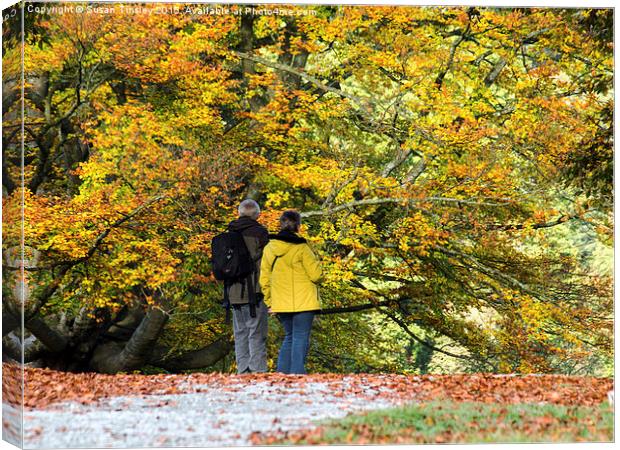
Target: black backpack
(231, 263)
(230, 258)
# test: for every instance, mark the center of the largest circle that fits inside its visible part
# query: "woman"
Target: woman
(288, 276)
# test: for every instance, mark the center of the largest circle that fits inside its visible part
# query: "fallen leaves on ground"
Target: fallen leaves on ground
(45, 387)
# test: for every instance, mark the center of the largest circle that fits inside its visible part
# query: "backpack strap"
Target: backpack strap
(227, 319)
(250, 282)
(251, 294)
(226, 302)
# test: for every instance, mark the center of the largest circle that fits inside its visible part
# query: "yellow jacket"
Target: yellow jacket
(289, 272)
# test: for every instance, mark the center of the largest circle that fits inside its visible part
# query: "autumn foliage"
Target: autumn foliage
(451, 165)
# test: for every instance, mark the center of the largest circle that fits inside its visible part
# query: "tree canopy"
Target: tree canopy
(453, 167)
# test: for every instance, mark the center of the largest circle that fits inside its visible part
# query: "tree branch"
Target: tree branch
(353, 204)
(285, 68)
(537, 226)
(400, 200)
(497, 69)
(406, 329)
(50, 338)
(366, 105)
(489, 271)
(196, 359)
(364, 307)
(453, 47)
(108, 358)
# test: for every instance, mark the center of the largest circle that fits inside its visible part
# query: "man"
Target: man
(250, 332)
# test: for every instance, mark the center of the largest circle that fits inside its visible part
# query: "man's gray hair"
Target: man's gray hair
(249, 208)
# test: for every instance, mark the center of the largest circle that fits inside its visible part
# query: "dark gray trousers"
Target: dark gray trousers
(250, 338)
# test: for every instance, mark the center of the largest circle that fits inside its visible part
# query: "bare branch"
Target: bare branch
(497, 69)
(404, 201)
(453, 47)
(406, 329)
(285, 68)
(363, 307)
(489, 271)
(366, 105)
(537, 226)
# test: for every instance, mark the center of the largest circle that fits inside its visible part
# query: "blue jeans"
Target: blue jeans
(297, 326)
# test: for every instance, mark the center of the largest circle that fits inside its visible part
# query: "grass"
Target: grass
(445, 421)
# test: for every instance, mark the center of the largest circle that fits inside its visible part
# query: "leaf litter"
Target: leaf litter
(45, 387)
(310, 398)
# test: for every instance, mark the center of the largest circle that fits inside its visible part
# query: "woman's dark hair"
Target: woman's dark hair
(290, 221)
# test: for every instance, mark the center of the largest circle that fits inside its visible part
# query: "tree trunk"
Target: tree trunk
(9, 322)
(113, 357)
(50, 338)
(124, 328)
(32, 348)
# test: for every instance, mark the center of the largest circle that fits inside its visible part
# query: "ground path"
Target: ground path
(91, 410)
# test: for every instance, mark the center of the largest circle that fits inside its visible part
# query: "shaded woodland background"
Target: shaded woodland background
(453, 165)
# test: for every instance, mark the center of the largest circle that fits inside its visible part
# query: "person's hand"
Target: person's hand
(269, 311)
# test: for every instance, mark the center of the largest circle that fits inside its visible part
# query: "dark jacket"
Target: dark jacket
(256, 237)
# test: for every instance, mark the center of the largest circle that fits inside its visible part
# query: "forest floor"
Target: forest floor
(65, 410)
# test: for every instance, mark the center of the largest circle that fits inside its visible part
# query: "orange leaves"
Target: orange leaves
(137, 155)
(318, 174)
(479, 178)
(140, 150)
(418, 235)
(138, 43)
(43, 387)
